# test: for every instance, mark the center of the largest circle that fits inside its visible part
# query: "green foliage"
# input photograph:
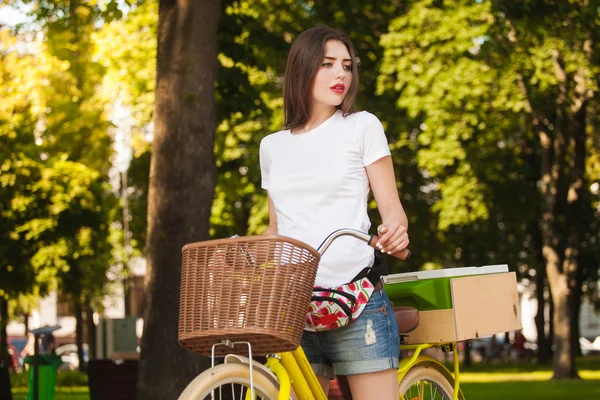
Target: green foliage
(55, 156)
(48, 223)
(127, 51)
(19, 380)
(18, 168)
(454, 102)
(137, 177)
(439, 80)
(470, 133)
(66, 378)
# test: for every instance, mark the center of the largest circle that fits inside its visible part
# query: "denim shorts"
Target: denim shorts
(369, 344)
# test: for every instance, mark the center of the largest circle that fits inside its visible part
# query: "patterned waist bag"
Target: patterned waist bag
(332, 308)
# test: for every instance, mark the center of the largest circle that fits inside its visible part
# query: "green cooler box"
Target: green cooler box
(458, 303)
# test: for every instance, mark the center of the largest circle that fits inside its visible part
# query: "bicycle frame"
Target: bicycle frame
(297, 374)
(416, 357)
(293, 370)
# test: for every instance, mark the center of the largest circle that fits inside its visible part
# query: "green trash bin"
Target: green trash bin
(46, 376)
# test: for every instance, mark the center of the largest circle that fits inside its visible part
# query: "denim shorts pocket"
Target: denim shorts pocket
(379, 304)
(379, 309)
(376, 304)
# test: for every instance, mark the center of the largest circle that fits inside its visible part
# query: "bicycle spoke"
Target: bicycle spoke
(236, 391)
(424, 390)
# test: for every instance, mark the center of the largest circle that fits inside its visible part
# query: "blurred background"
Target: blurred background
(491, 111)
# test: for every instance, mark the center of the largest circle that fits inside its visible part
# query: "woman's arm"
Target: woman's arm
(393, 232)
(272, 228)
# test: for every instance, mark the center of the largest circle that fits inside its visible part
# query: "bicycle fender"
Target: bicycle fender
(425, 360)
(256, 366)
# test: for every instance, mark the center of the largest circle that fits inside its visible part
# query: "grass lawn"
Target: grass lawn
(504, 390)
(524, 382)
(75, 393)
(480, 382)
(523, 390)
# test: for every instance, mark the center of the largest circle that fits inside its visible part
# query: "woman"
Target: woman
(317, 174)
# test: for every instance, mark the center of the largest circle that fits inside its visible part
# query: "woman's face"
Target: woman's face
(334, 76)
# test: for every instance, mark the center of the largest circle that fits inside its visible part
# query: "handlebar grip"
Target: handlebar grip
(402, 254)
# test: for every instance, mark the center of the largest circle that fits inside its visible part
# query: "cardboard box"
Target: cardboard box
(455, 307)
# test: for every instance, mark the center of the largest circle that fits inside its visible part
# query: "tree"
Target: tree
(505, 102)
(182, 180)
(560, 86)
(19, 170)
(76, 127)
(84, 228)
(71, 136)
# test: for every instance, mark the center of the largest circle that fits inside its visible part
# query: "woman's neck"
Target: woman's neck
(317, 117)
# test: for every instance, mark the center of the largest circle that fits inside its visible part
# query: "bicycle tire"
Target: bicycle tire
(229, 374)
(427, 377)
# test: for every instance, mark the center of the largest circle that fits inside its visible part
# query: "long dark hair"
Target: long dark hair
(304, 60)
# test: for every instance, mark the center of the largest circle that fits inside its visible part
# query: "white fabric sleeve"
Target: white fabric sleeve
(265, 164)
(371, 139)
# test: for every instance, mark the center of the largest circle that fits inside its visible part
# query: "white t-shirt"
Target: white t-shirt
(318, 184)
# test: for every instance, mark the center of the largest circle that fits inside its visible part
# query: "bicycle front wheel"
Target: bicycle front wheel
(229, 381)
(426, 381)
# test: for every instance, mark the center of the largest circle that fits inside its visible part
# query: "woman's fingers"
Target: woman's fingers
(392, 238)
(384, 234)
(399, 244)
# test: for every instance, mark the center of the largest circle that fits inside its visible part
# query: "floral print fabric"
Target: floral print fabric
(332, 308)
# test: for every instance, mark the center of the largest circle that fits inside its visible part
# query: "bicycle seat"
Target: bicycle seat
(407, 319)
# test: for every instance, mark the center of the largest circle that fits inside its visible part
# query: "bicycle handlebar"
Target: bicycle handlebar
(371, 240)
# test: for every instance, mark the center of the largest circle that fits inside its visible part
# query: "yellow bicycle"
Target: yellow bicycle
(250, 295)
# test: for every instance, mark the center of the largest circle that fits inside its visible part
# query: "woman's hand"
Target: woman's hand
(393, 237)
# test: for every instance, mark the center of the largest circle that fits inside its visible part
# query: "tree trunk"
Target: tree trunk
(90, 328)
(552, 156)
(26, 323)
(561, 293)
(563, 271)
(564, 356)
(575, 225)
(79, 326)
(467, 354)
(550, 335)
(575, 307)
(544, 340)
(182, 181)
(3, 324)
(567, 298)
(126, 270)
(544, 301)
(5, 390)
(556, 233)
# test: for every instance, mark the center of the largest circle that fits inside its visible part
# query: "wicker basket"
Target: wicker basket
(255, 289)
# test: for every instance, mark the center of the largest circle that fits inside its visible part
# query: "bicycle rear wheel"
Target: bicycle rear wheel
(426, 381)
(229, 381)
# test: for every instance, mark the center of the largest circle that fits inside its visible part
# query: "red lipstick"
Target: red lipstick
(338, 88)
